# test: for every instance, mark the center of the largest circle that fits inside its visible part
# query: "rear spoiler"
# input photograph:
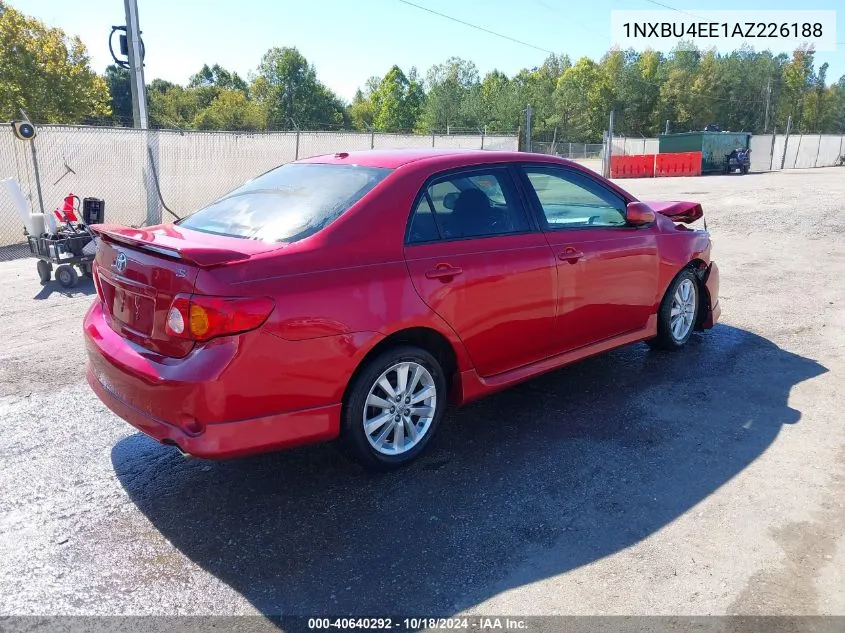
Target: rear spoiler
(168, 244)
(686, 212)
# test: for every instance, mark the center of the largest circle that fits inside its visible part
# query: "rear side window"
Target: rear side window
(288, 203)
(477, 203)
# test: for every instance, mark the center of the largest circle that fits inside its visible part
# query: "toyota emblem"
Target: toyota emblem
(120, 263)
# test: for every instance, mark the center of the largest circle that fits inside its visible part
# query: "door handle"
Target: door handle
(443, 272)
(570, 255)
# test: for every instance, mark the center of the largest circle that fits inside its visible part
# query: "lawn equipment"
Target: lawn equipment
(738, 159)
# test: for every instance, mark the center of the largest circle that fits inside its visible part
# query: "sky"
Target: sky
(349, 41)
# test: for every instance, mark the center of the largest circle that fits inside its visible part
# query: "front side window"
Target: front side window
(288, 203)
(468, 204)
(572, 201)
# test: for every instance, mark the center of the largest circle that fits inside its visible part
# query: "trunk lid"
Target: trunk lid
(140, 272)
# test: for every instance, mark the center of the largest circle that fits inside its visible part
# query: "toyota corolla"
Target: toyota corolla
(356, 295)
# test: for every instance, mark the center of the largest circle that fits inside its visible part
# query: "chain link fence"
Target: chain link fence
(138, 172)
(566, 149)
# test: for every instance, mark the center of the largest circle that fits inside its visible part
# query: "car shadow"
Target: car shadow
(85, 287)
(526, 484)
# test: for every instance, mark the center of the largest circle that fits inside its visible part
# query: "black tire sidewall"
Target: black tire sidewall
(352, 432)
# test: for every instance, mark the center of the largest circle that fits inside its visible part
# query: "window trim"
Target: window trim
(509, 169)
(575, 176)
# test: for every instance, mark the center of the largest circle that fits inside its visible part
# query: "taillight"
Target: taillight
(200, 317)
(96, 277)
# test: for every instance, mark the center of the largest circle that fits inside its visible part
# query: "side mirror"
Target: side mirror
(639, 214)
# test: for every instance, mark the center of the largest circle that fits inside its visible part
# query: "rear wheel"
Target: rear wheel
(393, 408)
(678, 312)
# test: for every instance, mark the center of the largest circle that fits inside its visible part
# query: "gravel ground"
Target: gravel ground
(710, 481)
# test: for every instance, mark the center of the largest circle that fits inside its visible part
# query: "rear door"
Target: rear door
(477, 261)
(607, 270)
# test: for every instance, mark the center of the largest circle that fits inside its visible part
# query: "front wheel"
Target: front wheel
(393, 408)
(678, 312)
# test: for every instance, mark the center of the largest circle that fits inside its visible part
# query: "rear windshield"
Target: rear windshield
(288, 203)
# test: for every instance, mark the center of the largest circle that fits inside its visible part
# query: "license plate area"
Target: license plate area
(131, 309)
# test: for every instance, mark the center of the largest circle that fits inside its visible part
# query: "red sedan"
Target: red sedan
(355, 295)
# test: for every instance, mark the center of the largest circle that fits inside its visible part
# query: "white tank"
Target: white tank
(34, 222)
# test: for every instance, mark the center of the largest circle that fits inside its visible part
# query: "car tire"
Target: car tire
(383, 426)
(678, 313)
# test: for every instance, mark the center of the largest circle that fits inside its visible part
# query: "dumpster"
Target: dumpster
(714, 146)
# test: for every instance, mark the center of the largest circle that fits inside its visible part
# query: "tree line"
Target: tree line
(48, 74)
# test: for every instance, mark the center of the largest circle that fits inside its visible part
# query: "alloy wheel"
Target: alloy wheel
(400, 407)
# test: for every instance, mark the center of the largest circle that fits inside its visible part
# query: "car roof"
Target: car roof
(439, 158)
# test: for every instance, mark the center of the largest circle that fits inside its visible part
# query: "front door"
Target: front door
(607, 270)
(475, 260)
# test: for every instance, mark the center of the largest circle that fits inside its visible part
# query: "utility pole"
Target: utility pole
(136, 65)
(786, 141)
(609, 152)
(528, 112)
(768, 98)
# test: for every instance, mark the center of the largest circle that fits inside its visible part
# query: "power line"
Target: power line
(475, 26)
(666, 6)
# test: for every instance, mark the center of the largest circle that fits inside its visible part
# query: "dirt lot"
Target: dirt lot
(710, 481)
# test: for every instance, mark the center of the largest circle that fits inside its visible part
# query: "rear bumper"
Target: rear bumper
(229, 439)
(227, 399)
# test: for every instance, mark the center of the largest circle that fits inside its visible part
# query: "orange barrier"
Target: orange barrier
(651, 165)
(638, 166)
(678, 164)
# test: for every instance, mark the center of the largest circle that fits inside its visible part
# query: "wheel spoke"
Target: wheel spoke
(402, 378)
(377, 422)
(679, 300)
(423, 394)
(412, 429)
(415, 379)
(379, 441)
(384, 383)
(676, 310)
(423, 412)
(374, 401)
(399, 436)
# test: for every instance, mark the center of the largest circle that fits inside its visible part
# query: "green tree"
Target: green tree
(46, 73)
(797, 81)
(119, 83)
(396, 102)
(230, 110)
(362, 110)
(581, 103)
(448, 101)
(288, 89)
(537, 88)
(171, 106)
(500, 106)
(218, 77)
